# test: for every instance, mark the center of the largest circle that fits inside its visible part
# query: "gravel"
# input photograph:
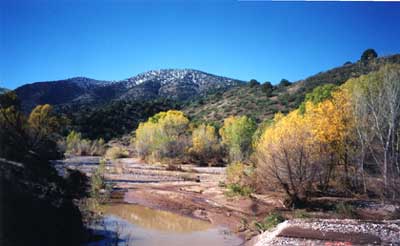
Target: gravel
(387, 231)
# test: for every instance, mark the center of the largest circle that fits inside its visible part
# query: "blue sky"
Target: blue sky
(112, 40)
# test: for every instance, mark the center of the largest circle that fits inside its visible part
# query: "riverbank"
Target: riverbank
(196, 192)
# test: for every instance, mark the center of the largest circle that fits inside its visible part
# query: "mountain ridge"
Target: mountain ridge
(180, 84)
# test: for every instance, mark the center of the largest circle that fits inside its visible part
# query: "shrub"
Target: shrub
(116, 152)
(239, 178)
(99, 189)
(237, 189)
(346, 210)
(301, 214)
(269, 222)
(76, 145)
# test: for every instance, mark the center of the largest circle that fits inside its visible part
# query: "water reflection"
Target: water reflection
(142, 226)
(155, 219)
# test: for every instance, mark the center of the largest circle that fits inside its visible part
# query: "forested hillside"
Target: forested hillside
(262, 101)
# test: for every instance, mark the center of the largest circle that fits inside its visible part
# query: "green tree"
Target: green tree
(284, 83)
(318, 95)
(267, 88)
(237, 133)
(254, 83)
(369, 54)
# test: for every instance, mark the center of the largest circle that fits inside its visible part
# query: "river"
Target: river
(142, 226)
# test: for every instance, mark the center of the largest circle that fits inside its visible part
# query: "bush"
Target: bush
(116, 152)
(346, 210)
(239, 179)
(76, 145)
(269, 222)
(100, 190)
(238, 190)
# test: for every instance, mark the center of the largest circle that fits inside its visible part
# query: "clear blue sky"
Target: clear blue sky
(112, 40)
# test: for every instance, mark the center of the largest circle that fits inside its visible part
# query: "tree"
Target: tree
(284, 83)
(43, 123)
(376, 101)
(254, 83)
(319, 94)
(237, 133)
(163, 135)
(205, 144)
(267, 88)
(286, 157)
(369, 54)
(300, 151)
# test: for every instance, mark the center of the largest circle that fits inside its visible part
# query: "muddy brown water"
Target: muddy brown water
(142, 226)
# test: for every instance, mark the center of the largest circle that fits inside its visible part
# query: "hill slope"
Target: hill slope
(253, 101)
(3, 90)
(178, 84)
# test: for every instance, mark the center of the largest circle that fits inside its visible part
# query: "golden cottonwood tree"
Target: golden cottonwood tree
(163, 135)
(205, 145)
(301, 148)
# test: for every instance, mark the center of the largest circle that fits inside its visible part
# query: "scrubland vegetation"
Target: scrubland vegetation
(342, 140)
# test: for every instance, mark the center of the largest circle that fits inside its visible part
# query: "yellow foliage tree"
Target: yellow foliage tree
(299, 149)
(163, 135)
(205, 146)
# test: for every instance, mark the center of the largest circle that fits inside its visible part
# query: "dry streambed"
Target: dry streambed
(195, 192)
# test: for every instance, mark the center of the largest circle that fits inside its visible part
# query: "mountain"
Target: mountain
(3, 90)
(255, 102)
(177, 84)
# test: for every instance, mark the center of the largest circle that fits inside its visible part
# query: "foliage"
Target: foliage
(239, 179)
(99, 189)
(237, 133)
(346, 210)
(238, 190)
(376, 107)
(113, 119)
(319, 94)
(116, 152)
(76, 145)
(301, 214)
(284, 83)
(253, 101)
(205, 146)
(267, 88)
(369, 54)
(164, 135)
(269, 222)
(299, 149)
(30, 142)
(254, 83)
(23, 137)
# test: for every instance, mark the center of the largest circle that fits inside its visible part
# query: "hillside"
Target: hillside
(177, 84)
(254, 101)
(3, 90)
